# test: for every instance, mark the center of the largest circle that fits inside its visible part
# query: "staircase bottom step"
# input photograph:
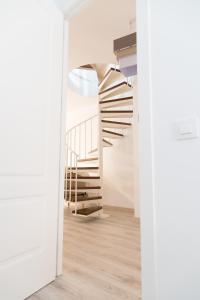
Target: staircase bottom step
(87, 211)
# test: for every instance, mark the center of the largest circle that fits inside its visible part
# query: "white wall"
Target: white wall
(174, 30)
(93, 29)
(79, 108)
(119, 166)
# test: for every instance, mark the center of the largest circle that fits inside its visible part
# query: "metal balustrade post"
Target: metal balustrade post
(66, 175)
(80, 140)
(70, 179)
(76, 184)
(74, 140)
(91, 134)
(70, 144)
(85, 140)
(79, 153)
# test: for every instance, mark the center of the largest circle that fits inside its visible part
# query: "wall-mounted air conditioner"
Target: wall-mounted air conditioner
(126, 51)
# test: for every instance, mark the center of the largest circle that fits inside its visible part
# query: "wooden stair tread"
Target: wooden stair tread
(116, 111)
(83, 188)
(101, 70)
(80, 195)
(112, 132)
(108, 72)
(115, 87)
(83, 194)
(86, 67)
(88, 188)
(82, 177)
(87, 211)
(84, 168)
(88, 159)
(105, 141)
(115, 100)
(87, 199)
(112, 77)
(116, 122)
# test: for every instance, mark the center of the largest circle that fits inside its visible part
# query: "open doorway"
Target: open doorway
(101, 255)
(102, 222)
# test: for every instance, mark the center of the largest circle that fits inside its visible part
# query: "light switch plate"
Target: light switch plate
(187, 128)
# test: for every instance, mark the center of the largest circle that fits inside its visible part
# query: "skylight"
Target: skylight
(83, 81)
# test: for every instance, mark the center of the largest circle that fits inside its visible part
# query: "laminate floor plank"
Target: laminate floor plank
(101, 259)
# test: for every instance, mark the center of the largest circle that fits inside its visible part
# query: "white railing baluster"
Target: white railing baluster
(75, 139)
(71, 176)
(66, 175)
(85, 140)
(79, 142)
(91, 134)
(76, 185)
(70, 179)
(79, 153)
(70, 143)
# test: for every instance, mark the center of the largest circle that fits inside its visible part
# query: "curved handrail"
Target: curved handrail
(82, 138)
(86, 120)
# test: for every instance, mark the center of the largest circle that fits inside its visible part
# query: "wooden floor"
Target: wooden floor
(101, 259)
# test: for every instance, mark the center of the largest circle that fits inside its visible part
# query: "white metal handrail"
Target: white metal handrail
(83, 137)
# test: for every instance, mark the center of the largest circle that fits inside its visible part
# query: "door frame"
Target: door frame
(146, 159)
(59, 265)
(146, 152)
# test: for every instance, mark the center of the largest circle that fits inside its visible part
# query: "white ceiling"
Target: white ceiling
(69, 7)
(93, 29)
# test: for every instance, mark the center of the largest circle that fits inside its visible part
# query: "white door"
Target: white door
(30, 105)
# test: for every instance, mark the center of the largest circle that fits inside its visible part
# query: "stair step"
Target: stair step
(89, 190)
(80, 195)
(83, 177)
(115, 124)
(86, 67)
(87, 211)
(84, 188)
(84, 168)
(111, 75)
(116, 113)
(88, 159)
(116, 102)
(111, 134)
(87, 199)
(107, 143)
(101, 70)
(115, 90)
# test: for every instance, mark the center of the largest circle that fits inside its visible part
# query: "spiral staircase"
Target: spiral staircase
(85, 142)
